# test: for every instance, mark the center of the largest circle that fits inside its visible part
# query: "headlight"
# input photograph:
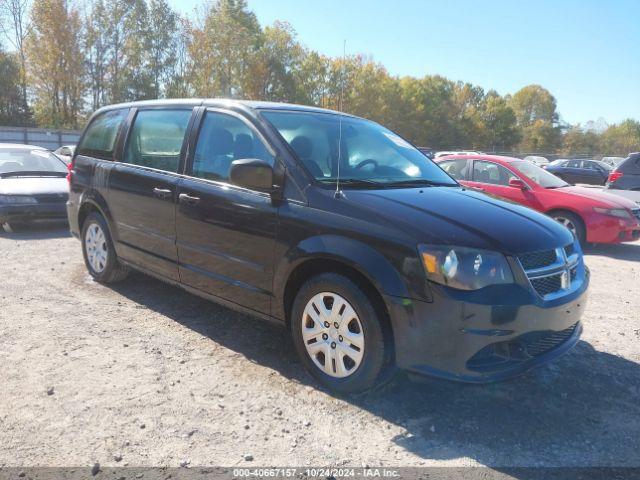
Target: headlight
(17, 200)
(614, 212)
(464, 268)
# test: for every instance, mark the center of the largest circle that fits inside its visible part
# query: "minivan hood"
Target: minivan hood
(33, 185)
(462, 217)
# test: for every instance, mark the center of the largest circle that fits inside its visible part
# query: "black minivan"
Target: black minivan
(333, 226)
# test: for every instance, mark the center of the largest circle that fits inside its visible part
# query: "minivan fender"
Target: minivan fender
(93, 200)
(354, 254)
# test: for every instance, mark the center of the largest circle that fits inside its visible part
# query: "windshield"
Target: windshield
(26, 160)
(369, 153)
(539, 175)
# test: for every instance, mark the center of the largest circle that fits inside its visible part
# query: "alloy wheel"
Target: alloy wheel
(568, 224)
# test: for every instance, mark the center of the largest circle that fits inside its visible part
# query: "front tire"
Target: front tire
(573, 223)
(338, 334)
(99, 254)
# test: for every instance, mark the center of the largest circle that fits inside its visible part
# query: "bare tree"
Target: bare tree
(15, 26)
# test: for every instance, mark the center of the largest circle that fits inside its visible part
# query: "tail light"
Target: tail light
(614, 176)
(70, 171)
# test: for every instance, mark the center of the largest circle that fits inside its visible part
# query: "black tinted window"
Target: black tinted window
(223, 139)
(100, 137)
(630, 165)
(156, 139)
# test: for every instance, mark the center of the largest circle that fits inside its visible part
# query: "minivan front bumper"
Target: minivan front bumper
(477, 342)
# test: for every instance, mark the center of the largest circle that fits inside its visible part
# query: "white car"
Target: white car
(613, 161)
(65, 153)
(466, 152)
(537, 160)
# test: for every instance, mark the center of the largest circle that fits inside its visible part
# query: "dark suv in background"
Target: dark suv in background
(333, 226)
(626, 175)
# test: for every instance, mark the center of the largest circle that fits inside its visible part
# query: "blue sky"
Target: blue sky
(587, 53)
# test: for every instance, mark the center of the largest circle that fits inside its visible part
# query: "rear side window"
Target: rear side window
(630, 165)
(456, 168)
(156, 139)
(99, 139)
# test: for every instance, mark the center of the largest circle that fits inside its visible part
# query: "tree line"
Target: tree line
(61, 60)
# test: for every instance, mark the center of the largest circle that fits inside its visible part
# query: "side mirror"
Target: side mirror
(517, 183)
(252, 173)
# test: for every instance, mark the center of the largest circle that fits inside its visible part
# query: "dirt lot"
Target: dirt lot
(146, 374)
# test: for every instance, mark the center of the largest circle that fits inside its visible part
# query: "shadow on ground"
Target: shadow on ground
(583, 410)
(37, 231)
(620, 251)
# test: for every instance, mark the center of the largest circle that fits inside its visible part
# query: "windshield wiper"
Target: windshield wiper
(420, 182)
(33, 173)
(559, 186)
(355, 182)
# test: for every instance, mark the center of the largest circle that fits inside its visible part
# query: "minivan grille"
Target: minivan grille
(545, 269)
(537, 259)
(546, 285)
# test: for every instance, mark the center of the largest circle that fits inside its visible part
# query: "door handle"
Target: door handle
(186, 199)
(162, 193)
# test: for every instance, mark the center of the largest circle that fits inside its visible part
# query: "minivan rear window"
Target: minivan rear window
(100, 137)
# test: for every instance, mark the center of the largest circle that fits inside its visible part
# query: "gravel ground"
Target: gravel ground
(144, 374)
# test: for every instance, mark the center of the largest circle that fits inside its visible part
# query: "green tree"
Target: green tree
(535, 110)
(163, 44)
(622, 138)
(11, 102)
(221, 50)
(54, 63)
(499, 123)
(577, 141)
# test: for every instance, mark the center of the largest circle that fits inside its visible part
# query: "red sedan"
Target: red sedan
(592, 215)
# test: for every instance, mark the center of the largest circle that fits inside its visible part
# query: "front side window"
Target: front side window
(456, 168)
(574, 164)
(367, 152)
(539, 175)
(156, 139)
(100, 137)
(492, 173)
(222, 139)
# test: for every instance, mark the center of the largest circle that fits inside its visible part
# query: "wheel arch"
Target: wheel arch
(93, 202)
(327, 253)
(580, 217)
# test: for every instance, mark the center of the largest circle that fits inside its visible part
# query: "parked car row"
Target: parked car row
(592, 216)
(32, 185)
(368, 236)
(574, 171)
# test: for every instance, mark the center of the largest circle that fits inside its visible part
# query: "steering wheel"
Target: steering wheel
(364, 163)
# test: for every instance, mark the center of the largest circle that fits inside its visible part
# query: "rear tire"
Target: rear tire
(99, 254)
(344, 347)
(572, 222)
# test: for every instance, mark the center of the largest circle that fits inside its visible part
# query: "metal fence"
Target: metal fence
(41, 137)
